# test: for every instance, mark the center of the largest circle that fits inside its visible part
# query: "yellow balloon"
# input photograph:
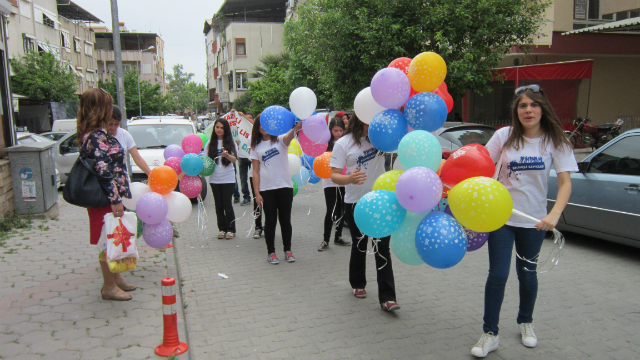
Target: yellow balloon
(294, 148)
(427, 71)
(387, 181)
(481, 204)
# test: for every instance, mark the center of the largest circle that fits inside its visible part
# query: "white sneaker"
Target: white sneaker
(487, 343)
(529, 338)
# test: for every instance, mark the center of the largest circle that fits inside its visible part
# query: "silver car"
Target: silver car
(605, 196)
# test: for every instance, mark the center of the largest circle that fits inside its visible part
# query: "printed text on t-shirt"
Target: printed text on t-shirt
(367, 156)
(269, 154)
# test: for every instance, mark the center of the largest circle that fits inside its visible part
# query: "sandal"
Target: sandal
(125, 286)
(115, 294)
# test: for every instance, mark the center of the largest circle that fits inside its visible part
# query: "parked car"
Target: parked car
(605, 196)
(25, 138)
(453, 135)
(67, 125)
(54, 135)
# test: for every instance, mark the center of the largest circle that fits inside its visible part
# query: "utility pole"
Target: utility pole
(115, 23)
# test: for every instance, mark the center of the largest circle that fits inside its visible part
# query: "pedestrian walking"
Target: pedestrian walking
(364, 165)
(126, 140)
(525, 152)
(223, 150)
(273, 185)
(333, 195)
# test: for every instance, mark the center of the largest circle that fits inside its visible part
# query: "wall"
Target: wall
(611, 6)
(19, 24)
(80, 59)
(563, 15)
(6, 189)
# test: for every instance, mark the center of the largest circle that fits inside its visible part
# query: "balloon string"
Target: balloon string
(554, 255)
(375, 249)
(203, 218)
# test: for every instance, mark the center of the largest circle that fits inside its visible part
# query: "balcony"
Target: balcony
(127, 55)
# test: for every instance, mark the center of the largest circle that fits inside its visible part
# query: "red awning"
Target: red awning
(569, 70)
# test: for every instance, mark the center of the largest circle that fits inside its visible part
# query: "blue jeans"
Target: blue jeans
(528, 243)
(244, 171)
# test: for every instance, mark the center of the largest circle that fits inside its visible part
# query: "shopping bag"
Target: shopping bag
(120, 241)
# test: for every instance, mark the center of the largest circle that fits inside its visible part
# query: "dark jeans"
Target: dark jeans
(277, 205)
(224, 207)
(528, 243)
(256, 208)
(244, 165)
(236, 193)
(334, 198)
(357, 263)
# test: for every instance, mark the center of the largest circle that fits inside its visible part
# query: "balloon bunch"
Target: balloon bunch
(407, 204)
(188, 164)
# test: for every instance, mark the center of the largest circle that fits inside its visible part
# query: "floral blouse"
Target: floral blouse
(110, 163)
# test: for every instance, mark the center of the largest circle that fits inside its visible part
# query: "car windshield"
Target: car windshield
(54, 136)
(157, 136)
(468, 135)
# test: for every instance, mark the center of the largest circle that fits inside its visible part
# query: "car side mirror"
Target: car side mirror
(583, 166)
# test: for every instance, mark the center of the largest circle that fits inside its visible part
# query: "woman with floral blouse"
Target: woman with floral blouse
(95, 111)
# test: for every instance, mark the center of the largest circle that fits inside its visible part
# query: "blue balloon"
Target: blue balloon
(313, 178)
(276, 120)
(426, 111)
(387, 129)
(307, 161)
(378, 213)
(191, 164)
(440, 240)
(302, 177)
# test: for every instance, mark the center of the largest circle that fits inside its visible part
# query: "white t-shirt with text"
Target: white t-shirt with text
(274, 164)
(222, 174)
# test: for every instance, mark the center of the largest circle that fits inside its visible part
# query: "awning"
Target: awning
(568, 70)
(632, 24)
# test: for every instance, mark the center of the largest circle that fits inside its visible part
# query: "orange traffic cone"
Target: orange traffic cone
(171, 344)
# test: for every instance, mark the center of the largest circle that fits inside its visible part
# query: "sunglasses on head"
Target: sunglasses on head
(532, 87)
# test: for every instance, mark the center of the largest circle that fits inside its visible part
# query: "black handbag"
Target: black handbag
(83, 184)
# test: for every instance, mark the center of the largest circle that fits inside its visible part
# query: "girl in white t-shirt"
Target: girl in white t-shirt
(223, 180)
(364, 165)
(527, 150)
(273, 186)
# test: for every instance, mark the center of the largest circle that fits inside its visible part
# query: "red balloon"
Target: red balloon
(446, 97)
(478, 147)
(401, 64)
(443, 87)
(465, 163)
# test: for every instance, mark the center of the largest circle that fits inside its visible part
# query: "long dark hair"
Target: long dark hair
(356, 128)
(549, 123)
(256, 136)
(96, 109)
(227, 142)
(336, 121)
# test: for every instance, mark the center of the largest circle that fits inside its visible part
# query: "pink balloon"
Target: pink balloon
(344, 170)
(174, 163)
(314, 126)
(309, 147)
(192, 144)
(191, 186)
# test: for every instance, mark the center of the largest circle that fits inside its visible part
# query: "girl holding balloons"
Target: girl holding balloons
(525, 153)
(364, 166)
(273, 186)
(333, 195)
(223, 180)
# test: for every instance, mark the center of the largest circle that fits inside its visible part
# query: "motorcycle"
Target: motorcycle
(587, 135)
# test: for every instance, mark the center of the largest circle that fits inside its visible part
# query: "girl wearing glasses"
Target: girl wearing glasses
(526, 151)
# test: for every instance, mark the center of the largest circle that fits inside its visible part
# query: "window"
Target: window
(126, 68)
(88, 48)
(241, 46)
(28, 43)
(230, 79)
(621, 158)
(241, 79)
(594, 9)
(25, 8)
(77, 44)
(65, 41)
(146, 68)
(89, 76)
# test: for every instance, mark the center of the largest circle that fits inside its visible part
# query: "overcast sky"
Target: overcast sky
(179, 24)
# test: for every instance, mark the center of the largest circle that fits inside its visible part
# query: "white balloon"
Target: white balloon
(137, 190)
(365, 106)
(294, 164)
(303, 102)
(179, 206)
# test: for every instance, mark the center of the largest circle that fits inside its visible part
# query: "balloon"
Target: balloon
(326, 136)
(387, 181)
(390, 88)
(387, 129)
(365, 106)
(344, 170)
(191, 164)
(163, 180)
(158, 235)
(440, 167)
(192, 144)
(173, 150)
(313, 178)
(481, 204)
(191, 186)
(440, 240)
(302, 177)
(276, 120)
(448, 100)
(309, 147)
(419, 189)
(443, 87)
(152, 208)
(208, 166)
(204, 138)
(401, 64)
(137, 190)
(294, 164)
(294, 148)
(426, 111)
(420, 148)
(314, 127)
(403, 240)
(427, 71)
(303, 102)
(475, 240)
(307, 161)
(378, 213)
(321, 165)
(179, 207)
(478, 147)
(464, 163)
(295, 187)
(174, 163)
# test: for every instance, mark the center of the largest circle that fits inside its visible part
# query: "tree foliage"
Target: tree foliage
(40, 76)
(345, 42)
(182, 93)
(151, 98)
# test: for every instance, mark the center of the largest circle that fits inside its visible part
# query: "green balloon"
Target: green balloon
(209, 166)
(204, 138)
(295, 187)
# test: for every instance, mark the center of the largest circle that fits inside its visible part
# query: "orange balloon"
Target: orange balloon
(445, 191)
(163, 180)
(440, 168)
(321, 165)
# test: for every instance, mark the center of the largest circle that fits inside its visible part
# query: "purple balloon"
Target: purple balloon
(326, 136)
(475, 240)
(158, 235)
(173, 150)
(152, 208)
(419, 189)
(390, 88)
(314, 127)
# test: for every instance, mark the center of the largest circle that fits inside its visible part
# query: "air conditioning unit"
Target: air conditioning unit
(292, 3)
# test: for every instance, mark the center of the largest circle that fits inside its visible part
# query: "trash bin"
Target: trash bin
(33, 175)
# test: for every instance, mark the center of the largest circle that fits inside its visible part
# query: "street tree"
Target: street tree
(151, 97)
(183, 93)
(39, 75)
